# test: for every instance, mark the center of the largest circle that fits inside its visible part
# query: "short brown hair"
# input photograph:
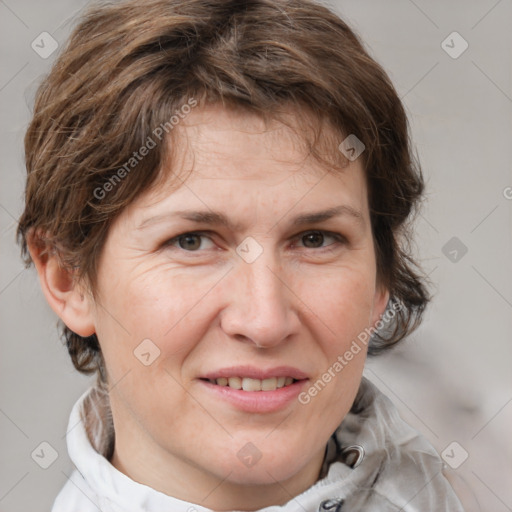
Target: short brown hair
(129, 66)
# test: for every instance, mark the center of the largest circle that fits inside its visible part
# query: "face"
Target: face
(253, 291)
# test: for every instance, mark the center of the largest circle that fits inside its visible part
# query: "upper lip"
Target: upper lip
(256, 373)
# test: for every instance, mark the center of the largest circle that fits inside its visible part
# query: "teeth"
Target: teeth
(248, 384)
(269, 384)
(235, 382)
(251, 384)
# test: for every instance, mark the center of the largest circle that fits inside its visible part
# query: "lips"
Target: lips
(249, 378)
(260, 395)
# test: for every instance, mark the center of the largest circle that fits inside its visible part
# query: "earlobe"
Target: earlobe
(64, 295)
(380, 302)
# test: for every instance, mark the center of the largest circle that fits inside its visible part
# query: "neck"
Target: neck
(149, 464)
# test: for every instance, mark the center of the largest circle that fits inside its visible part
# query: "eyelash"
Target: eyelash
(339, 239)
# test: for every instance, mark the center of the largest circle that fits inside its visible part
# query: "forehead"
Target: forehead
(223, 157)
(240, 137)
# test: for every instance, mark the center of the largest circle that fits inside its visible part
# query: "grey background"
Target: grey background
(451, 380)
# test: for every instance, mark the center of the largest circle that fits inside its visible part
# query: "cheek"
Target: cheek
(168, 304)
(340, 309)
(342, 301)
(151, 326)
(158, 306)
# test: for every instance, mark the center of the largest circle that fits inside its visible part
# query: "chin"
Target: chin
(251, 467)
(260, 474)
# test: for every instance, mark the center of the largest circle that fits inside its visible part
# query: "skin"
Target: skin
(300, 303)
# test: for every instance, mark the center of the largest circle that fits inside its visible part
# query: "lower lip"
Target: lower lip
(257, 401)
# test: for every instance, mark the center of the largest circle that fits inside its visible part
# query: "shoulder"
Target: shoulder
(76, 496)
(401, 470)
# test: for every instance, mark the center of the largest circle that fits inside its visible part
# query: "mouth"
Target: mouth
(250, 384)
(255, 390)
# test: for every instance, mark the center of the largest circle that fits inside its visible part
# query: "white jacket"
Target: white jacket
(399, 471)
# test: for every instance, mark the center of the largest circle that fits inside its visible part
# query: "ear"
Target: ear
(64, 295)
(380, 301)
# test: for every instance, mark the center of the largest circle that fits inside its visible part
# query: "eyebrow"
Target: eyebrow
(218, 218)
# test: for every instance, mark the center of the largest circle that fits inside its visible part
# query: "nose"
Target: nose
(260, 304)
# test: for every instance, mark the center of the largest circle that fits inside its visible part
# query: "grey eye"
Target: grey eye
(313, 239)
(190, 242)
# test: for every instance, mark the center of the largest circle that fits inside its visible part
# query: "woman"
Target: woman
(229, 370)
